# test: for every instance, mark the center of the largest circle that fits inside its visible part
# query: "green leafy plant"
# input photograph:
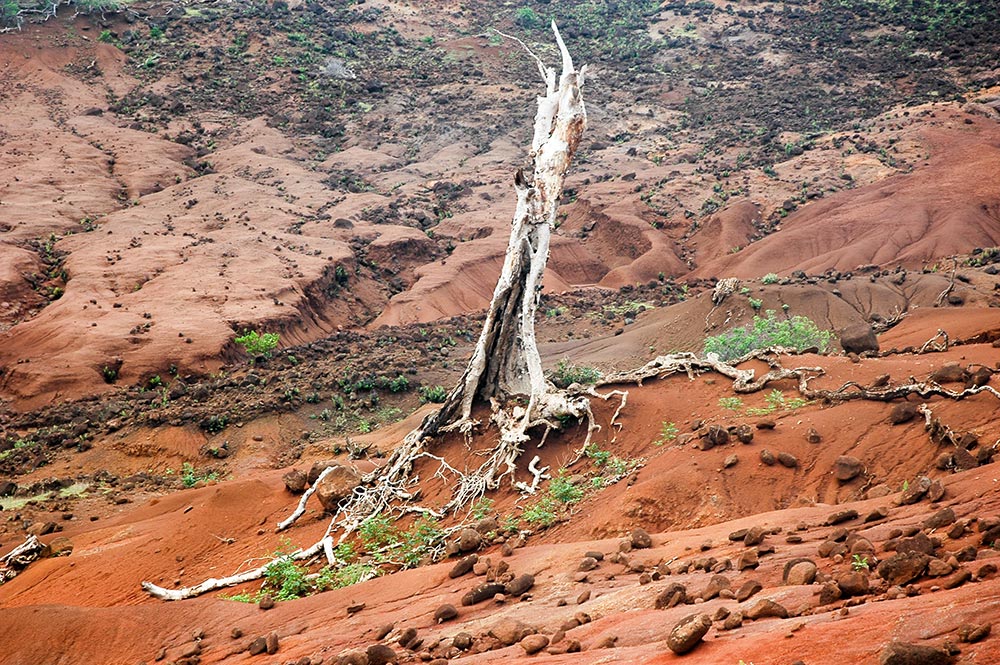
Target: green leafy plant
(668, 432)
(564, 491)
(287, 579)
(730, 403)
(190, 476)
(859, 562)
(482, 508)
(797, 332)
(526, 17)
(257, 344)
(435, 394)
(566, 374)
(769, 278)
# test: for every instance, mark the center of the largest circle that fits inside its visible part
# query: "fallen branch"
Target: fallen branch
(19, 558)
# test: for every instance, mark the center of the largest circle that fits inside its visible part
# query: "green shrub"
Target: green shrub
(436, 394)
(399, 384)
(769, 278)
(526, 17)
(257, 344)
(566, 374)
(668, 432)
(190, 476)
(287, 579)
(563, 491)
(797, 332)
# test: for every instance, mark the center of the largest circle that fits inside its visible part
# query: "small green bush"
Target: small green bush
(668, 432)
(526, 17)
(769, 278)
(287, 579)
(566, 374)
(563, 491)
(257, 344)
(798, 332)
(436, 394)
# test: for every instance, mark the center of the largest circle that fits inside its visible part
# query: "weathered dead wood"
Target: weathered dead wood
(19, 558)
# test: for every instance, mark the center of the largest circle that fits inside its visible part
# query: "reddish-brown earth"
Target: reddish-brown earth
(162, 194)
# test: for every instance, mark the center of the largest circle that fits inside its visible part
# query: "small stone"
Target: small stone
(674, 594)
(641, 539)
(853, 584)
(532, 644)
(830, 593)
(407, 637)
(957, 579)
(876, 515)
(519, 585)
(383, 630)
(716, 584)
(295, 481)
(463, 566)
(903, 412)
(788, 460)
(236, 633)
(257, 646)
(804, 572)
(469, 540)
(730, 461)
(766, 424)
(482, 592)
(462, 641)
(754, 536)
(767, 457)
(583, 597)
(766, 608)
(733, 621)
(847, 468)
(446, 612)
(266, 602)
(747, 559)
(380, 654)
(972, 632)
(272, 643)
(842, 516)
(900, 569)
(915, 492)
(748, 589)
(688, 633)
(812, 436)
(901, 653)
(510, 631)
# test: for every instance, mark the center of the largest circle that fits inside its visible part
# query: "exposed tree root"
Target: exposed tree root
(12, 563)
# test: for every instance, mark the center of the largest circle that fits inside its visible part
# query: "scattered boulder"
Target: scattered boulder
(7, 488)
(842, 516)
(295, 481)
(715, 585)
(519, 585)
(481, 593)
(940, 519)
(257, 646)
(767, 457)
(804, 572)
(901, 653)
(903, 412)
(847, 468)
(748, 590)
(446, 612)
(858, 338)
(641, 539)
(766, 608)
(972, 632)
(380, 654)
(60, 546)
(673, 595)
(271, 641)
(788, 460)
(511, 631)
(336, 486)
(903, 568)
(915, 492)
(812, 436)
(463, 566)
(532, 644)
(688, 633)
(754, 536)
(469, 540)
(853, 584)
(949, 373)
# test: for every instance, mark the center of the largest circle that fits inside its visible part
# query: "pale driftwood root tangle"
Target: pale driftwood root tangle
(20, 558)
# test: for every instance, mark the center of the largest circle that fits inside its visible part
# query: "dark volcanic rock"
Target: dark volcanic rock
(900, 569)
(858, 338)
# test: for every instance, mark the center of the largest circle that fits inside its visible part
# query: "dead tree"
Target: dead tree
(505, 370)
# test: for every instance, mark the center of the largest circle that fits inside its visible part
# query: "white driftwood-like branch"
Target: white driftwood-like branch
(20, 558)
(221, 583)
(301, 508)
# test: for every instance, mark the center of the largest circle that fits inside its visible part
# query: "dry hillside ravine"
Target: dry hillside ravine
(340, 174)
